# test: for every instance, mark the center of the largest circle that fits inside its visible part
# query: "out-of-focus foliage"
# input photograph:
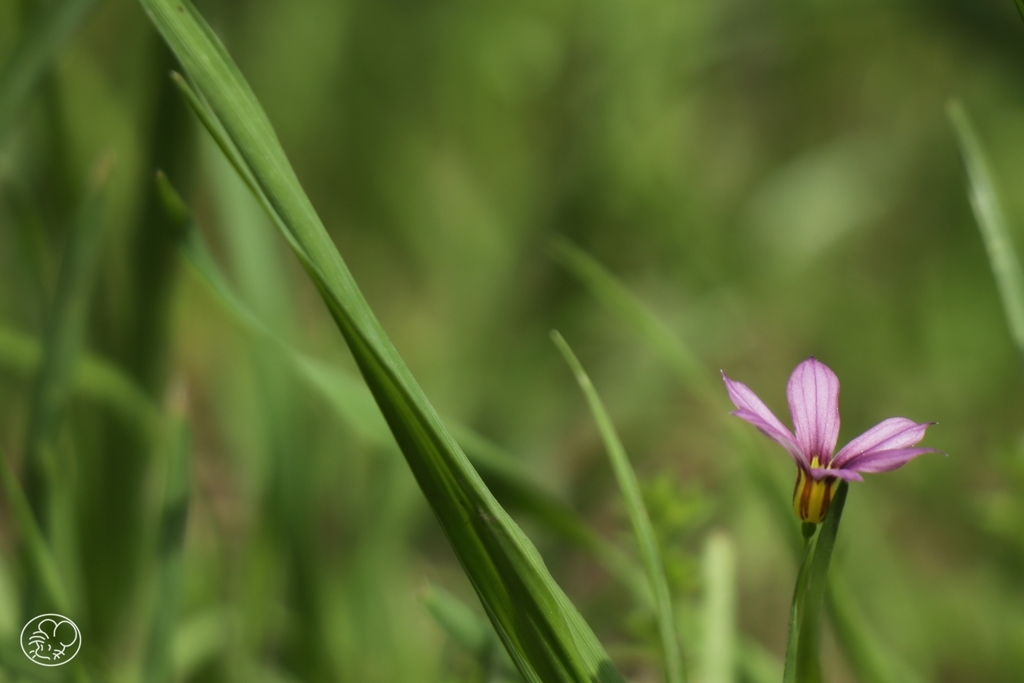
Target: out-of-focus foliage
(772, 179)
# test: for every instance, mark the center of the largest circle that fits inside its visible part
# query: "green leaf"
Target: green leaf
(44, 39)
(988, 211)
(546, 637)
(354, 403)
(643, 531)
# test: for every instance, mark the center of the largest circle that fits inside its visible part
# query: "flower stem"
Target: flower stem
(803, 663)
(795, 610)
(808, 659)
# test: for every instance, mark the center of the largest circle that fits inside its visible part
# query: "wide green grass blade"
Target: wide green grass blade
(988, 211)
(546, 637)
(43, 40)
(354, 403)
(643, 530)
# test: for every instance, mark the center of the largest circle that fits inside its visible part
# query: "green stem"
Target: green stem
(789, 672)
(808, 657)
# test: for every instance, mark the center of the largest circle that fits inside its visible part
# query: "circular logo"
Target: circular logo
(50, 640)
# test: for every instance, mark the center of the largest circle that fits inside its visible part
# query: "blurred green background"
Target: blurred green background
(773, 179)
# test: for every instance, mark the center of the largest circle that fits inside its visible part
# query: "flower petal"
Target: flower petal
(813, 393)
(884, 461)
(818, 473)
(891, 434)
(750, 408)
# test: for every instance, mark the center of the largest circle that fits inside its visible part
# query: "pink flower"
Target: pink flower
(813, 393)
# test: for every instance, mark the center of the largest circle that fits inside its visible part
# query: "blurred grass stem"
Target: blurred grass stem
(643, 530)
(992, 223)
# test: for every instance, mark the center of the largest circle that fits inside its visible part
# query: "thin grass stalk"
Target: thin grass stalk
(62, 342)
(35, 253)
(94, 378)
(157, 667)
(44, 39)
(470, 632)
(643, 530)
(795, 614)
(40, 558)
(992, 223)
(718, 652)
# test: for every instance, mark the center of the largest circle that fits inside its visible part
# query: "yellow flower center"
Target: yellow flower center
(811, 497)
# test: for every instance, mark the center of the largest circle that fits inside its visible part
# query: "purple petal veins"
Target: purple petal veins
(884, 461)
(750, 408)
(813, 393)
(891, 434)
(819, 473)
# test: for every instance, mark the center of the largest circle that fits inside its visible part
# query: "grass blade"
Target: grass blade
(719, 632)
(545, 635)
(171, 538)
(988, 211)
(460, 622)
(41, 43)
(65, 331)
(624, 306)
(471, 632)
(38, 551)
(643, 531)
(354, 403)
(94, 378)
(757, 665)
